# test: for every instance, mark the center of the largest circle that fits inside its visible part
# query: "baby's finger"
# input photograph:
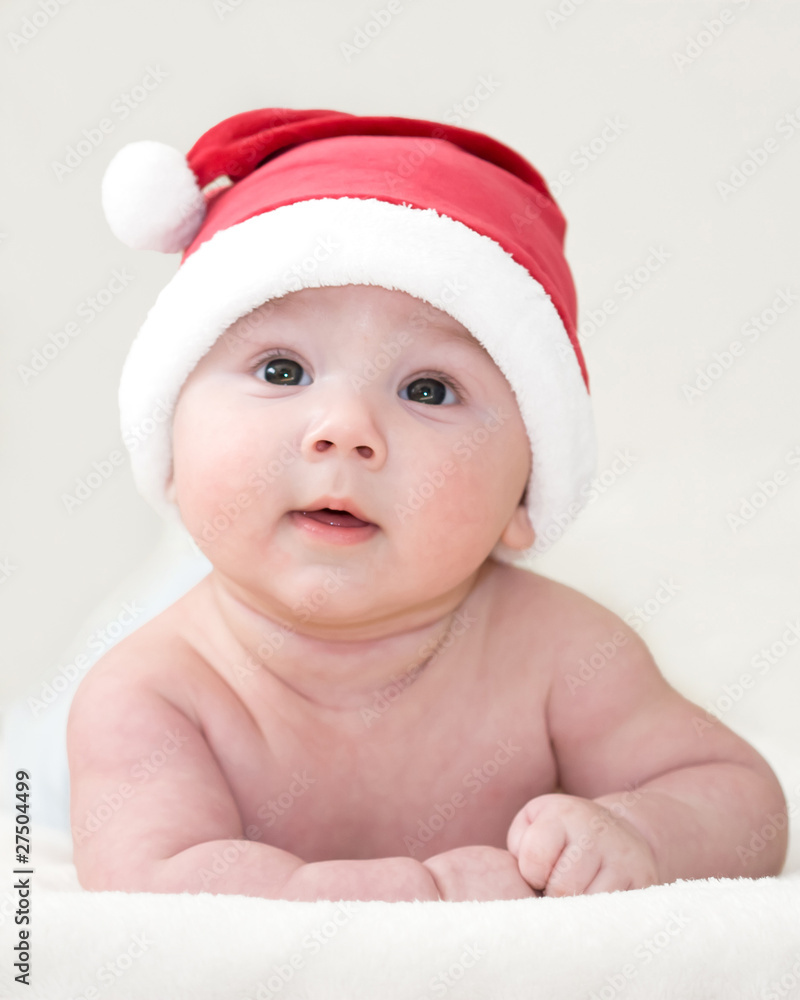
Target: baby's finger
(520, 823)
(539, 849)
(609, 879)
(573, 871)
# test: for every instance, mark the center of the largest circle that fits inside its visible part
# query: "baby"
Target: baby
(365, 699)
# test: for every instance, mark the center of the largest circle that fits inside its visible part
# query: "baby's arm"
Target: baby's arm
(173, 825)
(658, 790)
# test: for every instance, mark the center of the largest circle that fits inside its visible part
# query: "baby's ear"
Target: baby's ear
(519, 533)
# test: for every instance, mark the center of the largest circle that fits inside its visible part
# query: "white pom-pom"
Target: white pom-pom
(151, 199)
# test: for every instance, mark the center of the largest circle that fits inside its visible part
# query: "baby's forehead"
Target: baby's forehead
(359, 304)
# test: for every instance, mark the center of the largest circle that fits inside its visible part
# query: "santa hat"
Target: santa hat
(448, 215)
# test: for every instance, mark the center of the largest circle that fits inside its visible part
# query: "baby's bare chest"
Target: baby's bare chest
(454, 778)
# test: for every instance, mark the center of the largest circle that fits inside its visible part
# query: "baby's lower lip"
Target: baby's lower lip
(334, 527)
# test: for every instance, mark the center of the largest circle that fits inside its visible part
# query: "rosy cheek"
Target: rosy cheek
(452, 503)
(476, 499)
(212, 457)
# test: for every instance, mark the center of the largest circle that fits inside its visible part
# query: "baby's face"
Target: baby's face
(356, 393)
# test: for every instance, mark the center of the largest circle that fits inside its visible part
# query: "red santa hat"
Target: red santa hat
(270, 201)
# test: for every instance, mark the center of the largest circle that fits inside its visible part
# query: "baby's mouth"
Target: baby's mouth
(338, 518)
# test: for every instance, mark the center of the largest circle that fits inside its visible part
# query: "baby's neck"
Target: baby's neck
(339, 669)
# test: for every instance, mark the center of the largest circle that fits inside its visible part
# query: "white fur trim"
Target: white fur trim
(151, 199)
(416, 251)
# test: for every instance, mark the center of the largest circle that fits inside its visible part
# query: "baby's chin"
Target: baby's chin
(346, 598)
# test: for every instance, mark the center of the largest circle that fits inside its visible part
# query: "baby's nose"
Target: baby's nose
(365, 450)
(345, 427)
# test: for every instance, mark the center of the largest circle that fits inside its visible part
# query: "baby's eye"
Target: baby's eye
(284, 371)
(429, 390)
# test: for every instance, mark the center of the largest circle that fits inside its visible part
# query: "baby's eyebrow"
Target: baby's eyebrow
(250, 332)
(464, 337)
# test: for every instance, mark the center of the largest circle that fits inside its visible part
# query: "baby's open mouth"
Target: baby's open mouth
(338, 518)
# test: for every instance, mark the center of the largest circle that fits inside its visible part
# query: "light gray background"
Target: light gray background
(555, 86)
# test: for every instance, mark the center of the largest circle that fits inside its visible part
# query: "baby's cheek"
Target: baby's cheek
(452, 521)
(210, 482)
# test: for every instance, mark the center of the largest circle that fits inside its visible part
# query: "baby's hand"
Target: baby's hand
(567, 845)
(478, 872)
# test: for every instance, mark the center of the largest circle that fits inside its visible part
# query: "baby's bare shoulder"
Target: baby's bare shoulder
(135, 742)
(537, 606)
(613, 719)
(156, 659)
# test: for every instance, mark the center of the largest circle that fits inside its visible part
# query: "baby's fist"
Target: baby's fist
(477, 872)
(565, 845)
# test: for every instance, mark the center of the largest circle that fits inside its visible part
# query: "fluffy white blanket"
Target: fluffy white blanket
(713, 939)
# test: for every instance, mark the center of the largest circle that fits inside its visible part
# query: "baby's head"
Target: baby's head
(374, 312)
(353, 398)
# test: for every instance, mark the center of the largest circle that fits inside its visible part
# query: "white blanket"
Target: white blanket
(713, 939)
